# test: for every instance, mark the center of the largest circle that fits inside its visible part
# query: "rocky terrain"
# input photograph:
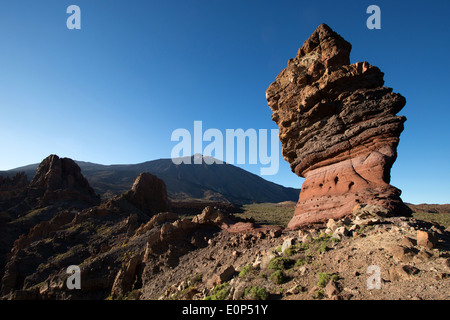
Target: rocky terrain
(333, 261)
(134, 247)
(338, 129)
(120, 244)
(57, 186)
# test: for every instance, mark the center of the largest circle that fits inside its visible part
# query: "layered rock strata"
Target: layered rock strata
(338, 129)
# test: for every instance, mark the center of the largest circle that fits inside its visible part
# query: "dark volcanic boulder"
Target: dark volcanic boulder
(338, 129)
(60, 179)
(148, 194)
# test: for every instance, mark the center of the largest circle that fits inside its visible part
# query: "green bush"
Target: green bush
(245, 270)
(300, 262)
(280, 263)
(256, 293)
(322, 247)
(290, 251)
(220, 292)
(324, 278)
(277, 277)
(322, 242)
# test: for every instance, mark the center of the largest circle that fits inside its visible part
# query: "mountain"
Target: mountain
(214, 182)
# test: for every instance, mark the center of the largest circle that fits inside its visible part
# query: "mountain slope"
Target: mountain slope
(217, 182)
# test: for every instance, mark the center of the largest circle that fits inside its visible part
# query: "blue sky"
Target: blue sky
(114, 91)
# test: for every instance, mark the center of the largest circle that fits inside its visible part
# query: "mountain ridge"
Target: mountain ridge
(212, 182)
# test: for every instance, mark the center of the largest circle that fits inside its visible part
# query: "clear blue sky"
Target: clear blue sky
(114, 91)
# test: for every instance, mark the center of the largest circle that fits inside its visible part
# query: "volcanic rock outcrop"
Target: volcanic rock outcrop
(60, 179)
(149, 194)
(71, 235)
(338, 129)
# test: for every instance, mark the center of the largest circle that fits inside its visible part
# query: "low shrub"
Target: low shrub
(256, 293)
(220, 292)
(280, 263)
(278, 277)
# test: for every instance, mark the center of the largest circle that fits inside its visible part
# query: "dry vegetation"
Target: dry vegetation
(439, 213)
(281, 213)
(268, 213)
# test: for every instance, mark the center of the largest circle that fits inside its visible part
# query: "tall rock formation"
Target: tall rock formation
(149, 194)
(338, 129)
(60, 179)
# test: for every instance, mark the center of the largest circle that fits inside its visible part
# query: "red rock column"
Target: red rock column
(338, 129)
